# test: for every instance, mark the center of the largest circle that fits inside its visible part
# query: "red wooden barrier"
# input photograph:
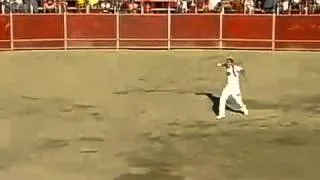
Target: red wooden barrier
(91, 31)
(38, 31)
(143, 31)
(41, 31)
(4, 32)
(298, 32)
(247, 31)
(195, 30)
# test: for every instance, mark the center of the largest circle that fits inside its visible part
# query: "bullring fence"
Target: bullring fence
(159, 31)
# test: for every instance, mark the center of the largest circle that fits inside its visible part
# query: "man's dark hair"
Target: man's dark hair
(230, 59)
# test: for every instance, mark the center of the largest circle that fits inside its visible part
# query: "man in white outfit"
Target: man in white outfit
(232, 87)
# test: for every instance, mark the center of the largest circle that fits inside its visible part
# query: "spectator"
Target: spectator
(285, 6)
(5, 6)
(249, 6)
(307, 6)
(62, 5)
(94, 4)
(179, 6)
(118, 4)
(193, 5)
(270, 5)
(16, 6)
(316, 6)
(106, 6)
(226, 5)
(205, 6)
(213, 4)
(296, 6)
(184, 6)
(132, 7)
(31, 6)
(50, 6)
(81, 4)
(258, 7)
(147, 8)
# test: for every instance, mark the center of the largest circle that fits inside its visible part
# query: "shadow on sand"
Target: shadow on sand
(215, 103)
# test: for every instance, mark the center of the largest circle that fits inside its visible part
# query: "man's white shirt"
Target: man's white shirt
(233, 76)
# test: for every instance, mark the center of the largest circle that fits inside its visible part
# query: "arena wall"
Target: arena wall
(159, 31)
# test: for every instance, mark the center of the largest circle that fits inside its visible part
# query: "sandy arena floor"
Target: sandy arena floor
(151, 116)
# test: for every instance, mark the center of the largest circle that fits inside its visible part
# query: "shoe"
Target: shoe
(245, 112)
(220, 117)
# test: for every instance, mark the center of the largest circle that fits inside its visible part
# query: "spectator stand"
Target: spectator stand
(161, 6)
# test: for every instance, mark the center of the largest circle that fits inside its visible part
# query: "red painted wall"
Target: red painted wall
(297, 28)
(185, 29)
(98, 30)
(151, 31)
(242, 27)
(143, 30)
(28, 28)
(4, 32)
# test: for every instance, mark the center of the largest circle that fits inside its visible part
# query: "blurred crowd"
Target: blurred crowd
(162, 6)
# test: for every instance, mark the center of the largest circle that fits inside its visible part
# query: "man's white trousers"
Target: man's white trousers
(235, 92)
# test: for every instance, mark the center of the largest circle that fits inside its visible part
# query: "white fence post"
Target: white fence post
(11, 32)
(31, 8)
(2, 8)
(221, 28)
(273, 31)
(65, 30)
(59, 9)
(117, 30)
(142, 6)
(169, 27)
(88, 9)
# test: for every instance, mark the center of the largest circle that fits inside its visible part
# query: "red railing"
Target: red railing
(159, 31)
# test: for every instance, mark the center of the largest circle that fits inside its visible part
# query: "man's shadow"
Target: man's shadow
(215, 104)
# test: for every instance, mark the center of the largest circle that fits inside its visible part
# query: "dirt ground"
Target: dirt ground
(151, 116)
